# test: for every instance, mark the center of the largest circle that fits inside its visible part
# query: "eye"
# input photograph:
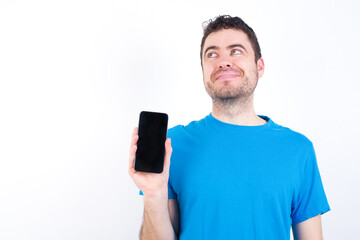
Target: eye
(211, 55)
(236, 52)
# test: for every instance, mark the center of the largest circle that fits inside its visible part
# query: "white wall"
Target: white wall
(74, 76)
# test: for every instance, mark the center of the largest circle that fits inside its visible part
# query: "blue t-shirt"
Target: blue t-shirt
(243, 182)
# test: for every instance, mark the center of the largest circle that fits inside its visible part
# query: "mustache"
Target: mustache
(232, 69)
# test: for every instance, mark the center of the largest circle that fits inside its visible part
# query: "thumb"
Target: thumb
(168, 151)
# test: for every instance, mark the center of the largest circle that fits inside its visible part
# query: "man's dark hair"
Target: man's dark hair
(226, 22)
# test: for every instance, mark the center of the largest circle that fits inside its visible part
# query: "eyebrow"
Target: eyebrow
(228, 47)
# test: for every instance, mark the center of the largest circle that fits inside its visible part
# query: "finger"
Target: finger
(168, 151)
(133, 137)
(134, 140)
(135, 131)
(133, 148)
(132, 157)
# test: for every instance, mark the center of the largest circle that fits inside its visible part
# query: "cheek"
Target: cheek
(207, 71)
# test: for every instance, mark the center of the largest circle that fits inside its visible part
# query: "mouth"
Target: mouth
(226, 75)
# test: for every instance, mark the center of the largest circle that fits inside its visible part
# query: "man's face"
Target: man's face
(229, 68)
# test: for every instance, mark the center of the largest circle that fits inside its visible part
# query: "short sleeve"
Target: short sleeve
(310, 200)
(171, 192)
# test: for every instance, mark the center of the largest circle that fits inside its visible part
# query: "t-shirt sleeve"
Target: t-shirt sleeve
(310, 200)
(171, 192)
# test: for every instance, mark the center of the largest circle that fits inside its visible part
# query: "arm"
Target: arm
(157, 223)
(308, 230)
(160, 223)
(174, 215)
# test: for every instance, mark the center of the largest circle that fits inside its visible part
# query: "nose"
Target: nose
(224, 64)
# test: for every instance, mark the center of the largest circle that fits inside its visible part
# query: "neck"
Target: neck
(238, 112)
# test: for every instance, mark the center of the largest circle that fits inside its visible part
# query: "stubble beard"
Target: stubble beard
(228, 95)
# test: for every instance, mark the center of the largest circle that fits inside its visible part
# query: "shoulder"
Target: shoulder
(182, 130)
(291, 136)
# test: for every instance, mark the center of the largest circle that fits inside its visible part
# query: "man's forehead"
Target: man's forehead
(226, 37)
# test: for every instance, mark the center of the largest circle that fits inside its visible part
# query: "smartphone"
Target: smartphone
(150, 151)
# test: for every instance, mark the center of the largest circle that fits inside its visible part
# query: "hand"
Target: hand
(149, 183)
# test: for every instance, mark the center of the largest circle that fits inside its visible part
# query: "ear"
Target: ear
(260, 67)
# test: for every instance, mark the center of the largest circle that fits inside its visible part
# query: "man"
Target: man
(234, 174)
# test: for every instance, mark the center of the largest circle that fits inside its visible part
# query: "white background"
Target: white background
(74, 76)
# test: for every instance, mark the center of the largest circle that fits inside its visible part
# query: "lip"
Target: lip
(227, 75)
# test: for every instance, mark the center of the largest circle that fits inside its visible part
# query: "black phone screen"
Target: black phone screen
(150, 152)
